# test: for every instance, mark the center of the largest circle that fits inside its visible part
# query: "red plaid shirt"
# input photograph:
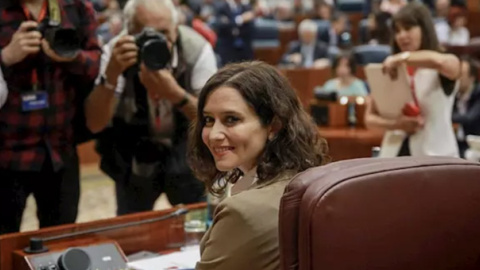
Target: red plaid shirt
(28, 139)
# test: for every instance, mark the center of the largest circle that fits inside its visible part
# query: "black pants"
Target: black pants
(405, 148)
(56, 194)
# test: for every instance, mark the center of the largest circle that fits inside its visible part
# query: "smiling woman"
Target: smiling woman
(252, 131)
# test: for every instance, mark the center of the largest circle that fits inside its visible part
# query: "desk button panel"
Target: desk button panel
(102, 256)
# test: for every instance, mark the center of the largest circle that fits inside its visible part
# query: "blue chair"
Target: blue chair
(366, 54)
(266, 34)
(332, 53)
(351, 5)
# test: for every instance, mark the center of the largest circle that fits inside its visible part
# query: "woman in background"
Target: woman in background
(425, 129)
(251, 131)
(459, 34)
(345, 83)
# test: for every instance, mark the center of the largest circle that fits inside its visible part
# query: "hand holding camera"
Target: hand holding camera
(160, 84)
(24, 42)
(148, 47)
(124, 55)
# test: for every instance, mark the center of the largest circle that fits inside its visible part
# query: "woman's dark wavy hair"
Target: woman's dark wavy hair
(296, 146)
(416, 14)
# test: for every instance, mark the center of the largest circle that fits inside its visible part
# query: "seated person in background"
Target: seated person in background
(466, 111)
(304, 6)
(338, 34)
(247, 114)
(284, 12)
(322, 10)
(379, 32)
(392, 6)
(345, 83)
(442, 28)
(459, 34)
(307, 52)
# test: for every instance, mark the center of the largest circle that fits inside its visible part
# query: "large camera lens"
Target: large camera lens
(155, 54)
(65, 42)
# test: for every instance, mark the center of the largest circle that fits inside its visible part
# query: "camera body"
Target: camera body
(64, 41)
(153, 49)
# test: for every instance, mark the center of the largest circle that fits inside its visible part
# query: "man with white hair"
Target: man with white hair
(146, 111)
(308, 51)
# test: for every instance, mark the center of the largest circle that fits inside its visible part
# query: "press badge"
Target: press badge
(34, 101)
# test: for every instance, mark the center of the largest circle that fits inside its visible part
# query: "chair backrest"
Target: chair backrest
(350, 5)
(398, 213)
(266, 33)
(366, 54)
(323, 29)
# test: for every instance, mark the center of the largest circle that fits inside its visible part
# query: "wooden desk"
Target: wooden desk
(156, 237)
(472, 50)
(304, 80)
(268, 55)
(349, 143)
(473, 22)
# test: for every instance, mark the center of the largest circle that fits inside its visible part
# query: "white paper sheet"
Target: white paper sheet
(390, 96)
(186, 259)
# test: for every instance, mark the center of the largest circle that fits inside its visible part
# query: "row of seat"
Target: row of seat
(267, 35)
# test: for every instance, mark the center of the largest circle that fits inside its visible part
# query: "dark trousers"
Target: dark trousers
(56, 194)
(139, 194)
(405, 148)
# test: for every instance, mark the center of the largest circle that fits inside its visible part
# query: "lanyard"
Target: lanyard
(41, 16)
(411, 73)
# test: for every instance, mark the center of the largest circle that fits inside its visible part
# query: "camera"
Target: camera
(153, 49)
(64, 41)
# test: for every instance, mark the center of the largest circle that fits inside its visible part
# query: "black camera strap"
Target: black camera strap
(41, 16)
(54, 19)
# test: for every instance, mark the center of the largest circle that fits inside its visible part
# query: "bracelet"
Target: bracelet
(182, 102)
(405, 56)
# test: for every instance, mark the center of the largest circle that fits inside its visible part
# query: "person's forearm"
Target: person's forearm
(447, 64)
(425, 59)
(373, 121)
(190, 109)
(99, 108)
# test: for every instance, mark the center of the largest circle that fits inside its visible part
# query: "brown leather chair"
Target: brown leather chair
(399, 213)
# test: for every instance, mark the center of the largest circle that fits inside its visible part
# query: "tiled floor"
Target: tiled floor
(97, 200)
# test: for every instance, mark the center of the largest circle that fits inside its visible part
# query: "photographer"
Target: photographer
(48, 54)
(145, 96)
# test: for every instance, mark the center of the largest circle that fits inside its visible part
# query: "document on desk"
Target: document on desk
(185, 259)
(390, 96)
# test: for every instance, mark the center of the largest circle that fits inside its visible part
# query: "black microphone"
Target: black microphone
(36, 244)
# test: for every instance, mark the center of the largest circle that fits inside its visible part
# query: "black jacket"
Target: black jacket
(321, 51)
(471, 120)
